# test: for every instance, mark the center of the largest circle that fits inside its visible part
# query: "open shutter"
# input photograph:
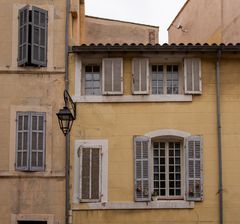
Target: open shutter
(37, 141)
(23, 29)
(140, 76)
(112, 76)
(22, 139)
(142, 168)
(192, 75)
(194, 168)
(39, 36)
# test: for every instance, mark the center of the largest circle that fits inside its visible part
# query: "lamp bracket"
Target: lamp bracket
(69, 103)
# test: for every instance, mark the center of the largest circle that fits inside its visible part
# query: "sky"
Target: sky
(153, 12)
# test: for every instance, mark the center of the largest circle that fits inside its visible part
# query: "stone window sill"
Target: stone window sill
(173, 204)
(132, 98)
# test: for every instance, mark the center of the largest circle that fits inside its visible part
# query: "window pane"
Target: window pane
(92, 80)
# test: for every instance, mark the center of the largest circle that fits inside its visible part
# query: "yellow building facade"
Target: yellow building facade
(32, 147)
(144, 146)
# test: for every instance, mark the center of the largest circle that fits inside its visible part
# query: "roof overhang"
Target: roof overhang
(157, 48)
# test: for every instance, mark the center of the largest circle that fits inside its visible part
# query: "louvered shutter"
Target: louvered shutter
(39, 36)
(37, 141)
(192, 75)
(194, 168)
(142, 168)
(140, 76)
(23, 29)
(112, 76)
(90, 174)
(22, 139)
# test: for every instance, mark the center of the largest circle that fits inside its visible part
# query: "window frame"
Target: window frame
(29, 167)
(180, 78)
(91, 143)
(83, 78)
(182, 156)
(81, 148)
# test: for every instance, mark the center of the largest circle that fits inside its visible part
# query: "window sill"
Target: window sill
(173, 204)
(132, 98)
(28, 174)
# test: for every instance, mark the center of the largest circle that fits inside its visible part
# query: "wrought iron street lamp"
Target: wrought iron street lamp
(67, 114)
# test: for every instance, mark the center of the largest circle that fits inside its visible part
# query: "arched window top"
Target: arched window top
(167, 132)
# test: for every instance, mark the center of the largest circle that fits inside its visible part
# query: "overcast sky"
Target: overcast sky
(153, 12)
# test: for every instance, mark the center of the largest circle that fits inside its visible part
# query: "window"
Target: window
(90, 171)
(32, 36)
(112, 76)
(90, 167)
(92, 80)
(165, 79)
(160, 164)
(167, 169)
(30, 141)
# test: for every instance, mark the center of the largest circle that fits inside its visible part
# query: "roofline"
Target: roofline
(183, 7)
(157, 48)
(121, 21)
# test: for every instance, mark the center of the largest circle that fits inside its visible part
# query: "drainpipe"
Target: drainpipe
(67, 140)
(219, 133)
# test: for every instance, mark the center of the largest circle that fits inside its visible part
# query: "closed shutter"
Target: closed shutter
(37, 141)
(192, 74)
(140, 77)
(22, 138)
(194, 168)
(142, 168)
(112, 76)
(23, 29)
(39, 36)
(90, 174)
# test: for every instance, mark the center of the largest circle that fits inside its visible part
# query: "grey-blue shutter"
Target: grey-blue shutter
(37, 141)
(22, 139)
(142, 168)
(194, 168)
(39, 36)
(23, 29)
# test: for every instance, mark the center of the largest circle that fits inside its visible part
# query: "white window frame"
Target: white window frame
(168, 135)
(98, 143)
(90, 182)
(103, 78)
(180, 79)
(83, 82)
(200, 77)
(182, 165)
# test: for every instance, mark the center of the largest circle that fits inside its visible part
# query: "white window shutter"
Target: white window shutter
(23, 29)
(140, 76)
(142, 168)
(194, 168)
(112, 76)
(192, 76)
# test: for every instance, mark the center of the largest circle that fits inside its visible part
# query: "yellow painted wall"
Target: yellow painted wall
(118, 122)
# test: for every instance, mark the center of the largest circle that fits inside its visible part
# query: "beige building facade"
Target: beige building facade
(206, 21)
(145, 146)
(104, 31)
(32, 147)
